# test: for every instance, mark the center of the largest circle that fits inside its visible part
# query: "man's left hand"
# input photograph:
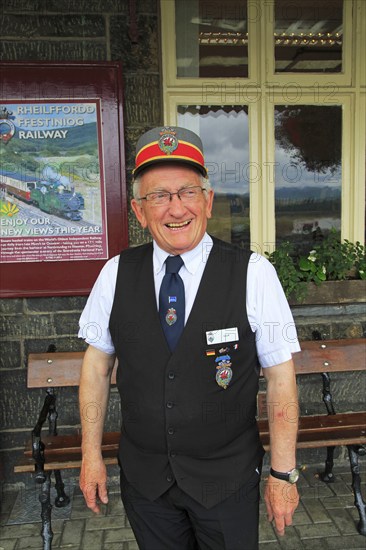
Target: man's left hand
(281, 500)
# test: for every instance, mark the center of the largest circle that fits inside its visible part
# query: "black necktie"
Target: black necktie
(172, 301)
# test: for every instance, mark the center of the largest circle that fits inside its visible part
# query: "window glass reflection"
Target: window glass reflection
(308, 36)
(224, 133)
(211, 38)
(307, 172)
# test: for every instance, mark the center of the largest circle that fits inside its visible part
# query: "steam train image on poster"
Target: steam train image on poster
(53, 198)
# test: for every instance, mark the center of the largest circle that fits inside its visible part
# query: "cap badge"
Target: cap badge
(168, 142)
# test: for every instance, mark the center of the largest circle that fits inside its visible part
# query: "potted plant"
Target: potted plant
(337, 268)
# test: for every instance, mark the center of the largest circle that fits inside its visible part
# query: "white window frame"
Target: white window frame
(264, 89)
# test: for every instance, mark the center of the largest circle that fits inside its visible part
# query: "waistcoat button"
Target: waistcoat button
(169, 405)
(169, 478)
(171, 375)
(170, 431)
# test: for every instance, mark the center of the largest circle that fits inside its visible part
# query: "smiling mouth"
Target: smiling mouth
(177, 225)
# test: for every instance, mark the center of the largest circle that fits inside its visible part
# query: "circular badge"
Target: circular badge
(7, 130)
(168, 143)
(171, 316)
(224, 376)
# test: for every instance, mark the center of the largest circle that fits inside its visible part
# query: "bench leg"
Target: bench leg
(353, 452)
(327, 476)
(45, 500)
(62, 499)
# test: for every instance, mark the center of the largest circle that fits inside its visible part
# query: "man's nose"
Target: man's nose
(175, 204)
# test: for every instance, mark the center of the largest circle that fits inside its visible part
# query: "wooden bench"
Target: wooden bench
(53, 453)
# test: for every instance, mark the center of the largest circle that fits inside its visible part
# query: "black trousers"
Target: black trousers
(175, 521)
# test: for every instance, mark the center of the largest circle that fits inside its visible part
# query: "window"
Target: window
(224, 131)
(308, 36)
(285, 117)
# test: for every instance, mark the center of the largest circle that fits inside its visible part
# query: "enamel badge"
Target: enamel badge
(168, 142)
(224, 373)
(171, 316)
(224, 376)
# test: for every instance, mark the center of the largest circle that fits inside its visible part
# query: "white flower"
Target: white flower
(312, 255)
(324, 269)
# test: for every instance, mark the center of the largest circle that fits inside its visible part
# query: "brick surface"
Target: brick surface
(92, 540)
(8, 544)
(118, 535)
(316, 511)
(290, 540)
(73, 533)
(346, 543)
(315, 526)
(314, 544)
(313, 531)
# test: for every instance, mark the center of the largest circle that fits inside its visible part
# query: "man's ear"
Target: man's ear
(139, 212)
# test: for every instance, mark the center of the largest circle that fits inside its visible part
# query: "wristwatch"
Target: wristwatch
(292, 476)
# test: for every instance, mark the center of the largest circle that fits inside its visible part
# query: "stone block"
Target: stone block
(33, 50)
(70, 343)
(351, 542)
(87, 6)
(73, 532)
(11, 305)
(54, 25)
(67, 323)
(56, 304)
(316, 511)
(352, 328)
(14, 6)
(32, 326)
(11, 355)
(140, 57)
(305, 328)
(92, 541)
(142, 92)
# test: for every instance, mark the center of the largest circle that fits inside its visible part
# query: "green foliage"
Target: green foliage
(329, 260)
(287, 271)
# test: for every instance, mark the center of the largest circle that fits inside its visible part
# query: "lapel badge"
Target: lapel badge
(224, 373)
(224, 376)
(223, 361)
(171, 316)
(168, 142)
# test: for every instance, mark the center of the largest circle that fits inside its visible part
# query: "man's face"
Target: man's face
(176, 227)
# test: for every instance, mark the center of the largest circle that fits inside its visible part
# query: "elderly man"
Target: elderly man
(191, 320)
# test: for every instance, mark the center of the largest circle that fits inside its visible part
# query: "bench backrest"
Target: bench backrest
(63, 368)
(57, 369)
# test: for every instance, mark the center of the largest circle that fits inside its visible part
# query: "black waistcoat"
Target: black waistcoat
(177, 422)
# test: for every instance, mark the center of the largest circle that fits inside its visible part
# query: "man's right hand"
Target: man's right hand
(93, 482)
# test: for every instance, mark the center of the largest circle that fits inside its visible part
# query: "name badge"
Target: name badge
(222, 335)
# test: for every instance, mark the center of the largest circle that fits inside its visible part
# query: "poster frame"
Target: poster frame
(58, 81)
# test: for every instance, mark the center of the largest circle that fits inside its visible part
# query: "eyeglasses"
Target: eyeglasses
(186, 195)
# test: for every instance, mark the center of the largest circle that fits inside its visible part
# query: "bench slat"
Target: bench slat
(64, 451)
(59, 369)
(63, 368)
(341, 355)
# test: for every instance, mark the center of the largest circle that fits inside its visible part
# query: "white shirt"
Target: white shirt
(267, 309)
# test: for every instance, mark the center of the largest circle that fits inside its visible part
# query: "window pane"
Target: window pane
(224, 133)
(211, 38)
(307, 172)
(308, 36)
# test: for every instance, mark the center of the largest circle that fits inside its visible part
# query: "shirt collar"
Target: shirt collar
(192, 259)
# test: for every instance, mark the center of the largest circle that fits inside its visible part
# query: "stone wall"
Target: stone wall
(96, 30)
(65, 30)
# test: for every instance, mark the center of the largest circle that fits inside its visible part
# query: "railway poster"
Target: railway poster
(52, 187)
